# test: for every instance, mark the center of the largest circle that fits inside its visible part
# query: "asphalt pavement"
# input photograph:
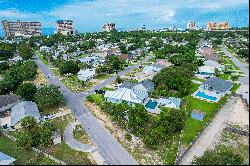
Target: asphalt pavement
(108, 146)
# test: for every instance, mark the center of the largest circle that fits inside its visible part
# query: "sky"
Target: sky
(90, 15)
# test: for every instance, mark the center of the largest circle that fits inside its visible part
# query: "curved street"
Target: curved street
(109, 148)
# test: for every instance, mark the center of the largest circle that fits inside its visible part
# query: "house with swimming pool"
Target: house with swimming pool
(205, 71)
(213, 89)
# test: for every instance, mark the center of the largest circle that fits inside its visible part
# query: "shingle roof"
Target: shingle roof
(128, 85)
(8, 99)
(148, 84)
(22, 110)
(218, 84)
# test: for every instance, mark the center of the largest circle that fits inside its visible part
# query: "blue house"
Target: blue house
(198, 115)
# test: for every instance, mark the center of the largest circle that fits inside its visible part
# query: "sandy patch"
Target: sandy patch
(143, 155)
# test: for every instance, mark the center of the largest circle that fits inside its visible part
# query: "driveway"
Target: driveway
(108, 147)
(244, 88)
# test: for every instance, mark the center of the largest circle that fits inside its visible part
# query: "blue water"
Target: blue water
(203, 95)
(202, 73)
(151, 104)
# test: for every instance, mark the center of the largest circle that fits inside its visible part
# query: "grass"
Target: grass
(198, 79)
(192, 126)
(168, 150)
(105, 88)
(102, 77)
(63, 151)
(235, 55)
(235, 87)
(51, 110)
(75, 85)
(45, 61)
(68, 155)
(224, 76)
(80, 134)
(22, 156)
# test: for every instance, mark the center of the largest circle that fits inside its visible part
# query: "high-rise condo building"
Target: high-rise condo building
(108, 27)
(22, 28)
(218, 25)
(65, 27)
(191, 25)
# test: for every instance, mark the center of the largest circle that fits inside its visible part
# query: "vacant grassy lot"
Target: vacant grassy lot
(22, 156)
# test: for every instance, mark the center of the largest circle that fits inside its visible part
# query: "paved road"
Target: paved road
(206, 138)
(244, 88)
(107, 145)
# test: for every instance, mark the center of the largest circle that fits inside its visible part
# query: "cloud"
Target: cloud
(16, 14)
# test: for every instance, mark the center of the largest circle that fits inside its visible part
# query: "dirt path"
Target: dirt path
(211, 132)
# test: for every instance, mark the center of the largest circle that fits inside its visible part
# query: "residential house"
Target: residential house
(213, 89)
(131, 94)
(6, 159)
(205, 71)
(22, 110)
(170, 102)
(15, 59)
(214, 64)
(8, 101)
(87, 74)
(45, 49)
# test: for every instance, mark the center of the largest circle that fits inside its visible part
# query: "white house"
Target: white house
(205, 71)
(85, 75)
(214, 64)
(44, 49)
(137, 94)
(170, 102)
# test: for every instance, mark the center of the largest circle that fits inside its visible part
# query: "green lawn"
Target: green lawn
(103, 76)
(105, 88)
(42, 58)
(198, 79)
(80, 134)
(224, 76)
(22, 156)
(51, 110)
(235, 87)
(69, 155)
(192, 126)
(75, 85)
(63, 151)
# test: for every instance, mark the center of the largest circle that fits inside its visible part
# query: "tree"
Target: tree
(69, 67)
(221, 155)
(24, 140)
(25, 51)
(46, 131)
(27, 91)
(4, 66)
(173, 81)
(118, 80)
(6, 51)
(47, 96)
(29, 70)
(234, 78)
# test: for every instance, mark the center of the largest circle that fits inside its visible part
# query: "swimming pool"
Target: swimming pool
(151, 104)
(203, 95)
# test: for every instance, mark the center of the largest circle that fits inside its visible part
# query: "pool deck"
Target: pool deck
(204, 99)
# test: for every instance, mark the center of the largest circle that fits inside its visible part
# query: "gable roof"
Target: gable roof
(148, 84)
(8, 99)
(22, 110)
(218, 84)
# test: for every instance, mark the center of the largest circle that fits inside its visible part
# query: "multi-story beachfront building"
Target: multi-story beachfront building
(65, 27)
(191, 25)
(22, 28)
(217, 26)
(108, 27)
